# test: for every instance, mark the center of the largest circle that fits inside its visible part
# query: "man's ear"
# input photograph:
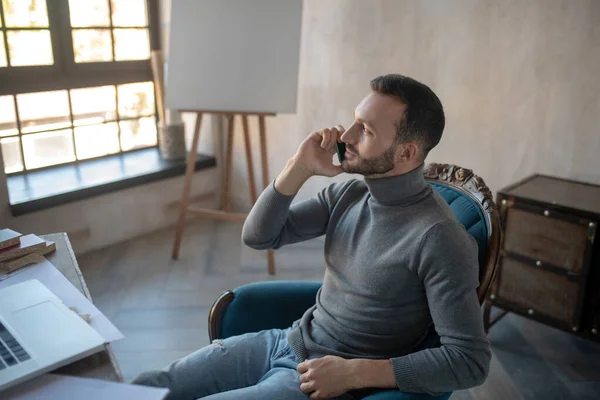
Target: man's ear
(409, 151)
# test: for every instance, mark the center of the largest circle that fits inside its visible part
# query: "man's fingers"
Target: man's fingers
(306, 387)
(326, 138)
(316, 395)
(302, 367)
(316, 136)
(335, 134)
(304, 378)
(341, 131)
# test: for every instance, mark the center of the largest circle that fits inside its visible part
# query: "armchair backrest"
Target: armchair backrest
(472, 203)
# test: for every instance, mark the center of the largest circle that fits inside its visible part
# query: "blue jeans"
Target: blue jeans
(253, 366)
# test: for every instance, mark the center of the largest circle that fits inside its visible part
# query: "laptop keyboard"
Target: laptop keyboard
(11, 352)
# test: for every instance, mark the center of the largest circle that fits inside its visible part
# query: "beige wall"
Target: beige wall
(519, 80)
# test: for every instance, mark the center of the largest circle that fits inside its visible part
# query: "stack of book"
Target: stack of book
(18, 251)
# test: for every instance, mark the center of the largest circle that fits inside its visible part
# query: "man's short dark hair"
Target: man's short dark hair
(423, 120)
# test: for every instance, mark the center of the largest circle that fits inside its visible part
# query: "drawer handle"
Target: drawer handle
(538, 263)
(594, 331)
(530, 311)
(546, 213)
(575, 328)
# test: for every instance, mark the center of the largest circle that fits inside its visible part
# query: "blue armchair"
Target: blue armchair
(277, 304)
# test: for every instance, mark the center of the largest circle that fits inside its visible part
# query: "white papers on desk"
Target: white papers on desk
(54, 280)
(53, 387)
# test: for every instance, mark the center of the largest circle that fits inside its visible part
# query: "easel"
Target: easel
(224, 213)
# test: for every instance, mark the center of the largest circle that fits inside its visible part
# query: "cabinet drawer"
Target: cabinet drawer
(546, 239)
(531, 288)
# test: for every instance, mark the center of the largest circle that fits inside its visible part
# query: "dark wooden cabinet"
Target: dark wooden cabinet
(549, 267)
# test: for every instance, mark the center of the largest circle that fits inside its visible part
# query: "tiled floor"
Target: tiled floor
(162, 308)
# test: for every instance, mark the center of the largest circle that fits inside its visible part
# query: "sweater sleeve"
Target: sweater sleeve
(273, 222)
(448, 268)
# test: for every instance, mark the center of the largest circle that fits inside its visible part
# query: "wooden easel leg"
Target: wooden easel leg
(185, 197)
(249, 162)
(265, 179)
(226, 199)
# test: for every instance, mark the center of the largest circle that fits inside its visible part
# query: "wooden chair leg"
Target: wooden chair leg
(487, 309)
(226, 201)
(488, 320)
(265, 179)
(185, 197)
(249, 162)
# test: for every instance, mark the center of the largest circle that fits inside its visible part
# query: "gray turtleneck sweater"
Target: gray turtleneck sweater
(397, 264)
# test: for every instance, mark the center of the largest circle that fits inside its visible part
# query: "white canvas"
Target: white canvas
(234, 55)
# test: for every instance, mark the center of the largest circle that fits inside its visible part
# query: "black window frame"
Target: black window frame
(65, 73)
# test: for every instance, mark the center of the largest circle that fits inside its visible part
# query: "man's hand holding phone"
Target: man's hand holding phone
(317, 150)
(314, 157)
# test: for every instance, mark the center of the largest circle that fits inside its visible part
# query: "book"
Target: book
(9, 238)
(28, 244)
(20, 262)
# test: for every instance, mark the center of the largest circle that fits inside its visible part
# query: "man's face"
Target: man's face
(370, 140)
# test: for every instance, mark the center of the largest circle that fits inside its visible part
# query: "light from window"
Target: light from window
(92, 45)
(138, 133)
(129, 13)
(67, 125)
(43, 111)
(11, 153)
(115, 31)
(136, 99)
(25, 13)
(94, 105)
(30, 48)
(41, 129)
(89, 13)
(8, 119)
(131, 44)
(3, 62)
(26, 46)
(48, 148)
(97, 140)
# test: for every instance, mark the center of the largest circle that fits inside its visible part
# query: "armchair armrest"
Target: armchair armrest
(261, 305)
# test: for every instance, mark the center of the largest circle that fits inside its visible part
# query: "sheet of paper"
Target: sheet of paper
(52, 278)
(52, 386)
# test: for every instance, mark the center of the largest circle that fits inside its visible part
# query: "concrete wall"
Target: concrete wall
(519, 81)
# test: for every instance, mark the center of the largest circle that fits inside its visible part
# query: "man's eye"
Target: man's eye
(366, 130)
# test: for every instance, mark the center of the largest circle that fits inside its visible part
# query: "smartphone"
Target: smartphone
(341, 150)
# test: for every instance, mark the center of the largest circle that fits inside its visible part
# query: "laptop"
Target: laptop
(38, 333)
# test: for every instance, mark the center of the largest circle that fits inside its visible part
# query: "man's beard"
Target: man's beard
(371, 166)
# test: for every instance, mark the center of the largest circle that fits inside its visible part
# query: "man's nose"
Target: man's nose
(349, 135)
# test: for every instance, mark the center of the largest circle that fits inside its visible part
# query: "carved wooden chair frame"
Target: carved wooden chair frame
(472, 185)
(455, 177)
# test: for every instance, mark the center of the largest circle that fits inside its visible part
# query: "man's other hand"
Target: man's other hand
(317, 150)
(325, 377)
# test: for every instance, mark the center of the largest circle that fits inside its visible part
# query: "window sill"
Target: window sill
(38, 190)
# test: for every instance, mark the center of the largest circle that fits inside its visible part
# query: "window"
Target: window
(76, 80)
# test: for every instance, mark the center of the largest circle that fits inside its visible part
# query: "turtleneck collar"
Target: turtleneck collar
(398, 189)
